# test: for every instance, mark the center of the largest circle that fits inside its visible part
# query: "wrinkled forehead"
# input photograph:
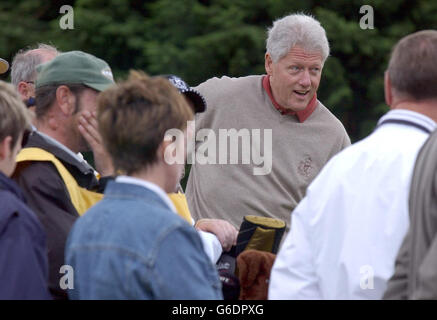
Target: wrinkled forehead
(298, 53)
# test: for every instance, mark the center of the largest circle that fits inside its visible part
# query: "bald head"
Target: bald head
(24, 64)
(44, 55)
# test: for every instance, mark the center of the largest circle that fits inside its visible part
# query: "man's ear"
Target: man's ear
(24, 90)
(66, 100)
(5, 148)
(165, 147)
(388, 94)
(268, 62)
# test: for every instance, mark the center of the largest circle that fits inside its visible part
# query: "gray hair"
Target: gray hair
(25, 62)
(296, 29)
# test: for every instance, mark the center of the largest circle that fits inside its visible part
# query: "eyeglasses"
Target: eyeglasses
(25, 137)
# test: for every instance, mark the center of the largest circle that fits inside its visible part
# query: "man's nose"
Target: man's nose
(305, 79)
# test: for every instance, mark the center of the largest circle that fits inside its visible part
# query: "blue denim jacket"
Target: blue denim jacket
(131, 245)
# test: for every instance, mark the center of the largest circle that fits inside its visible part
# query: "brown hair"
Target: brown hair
(14, 117)
(412, 68)
(134, 116)
(46, 95)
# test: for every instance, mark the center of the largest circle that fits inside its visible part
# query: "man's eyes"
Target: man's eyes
(297, 68)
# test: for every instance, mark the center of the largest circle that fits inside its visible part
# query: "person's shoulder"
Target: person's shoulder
(323, 111)
(141, 226)
(226, 84)
(15, 209)
(324, 115)
(231, 81)
(10, 205)
(179, 232)
(168, 222)
(37, 174)
(10, 202)
(130, 213)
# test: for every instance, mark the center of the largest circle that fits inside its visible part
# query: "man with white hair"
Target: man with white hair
(301, 132)
(23, 74)
(347, 230)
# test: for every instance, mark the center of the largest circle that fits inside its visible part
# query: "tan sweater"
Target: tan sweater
(299, 151)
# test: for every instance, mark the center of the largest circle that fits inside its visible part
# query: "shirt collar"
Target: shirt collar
(61, 146)
(301, 115)
(412, 118)
(148, 185)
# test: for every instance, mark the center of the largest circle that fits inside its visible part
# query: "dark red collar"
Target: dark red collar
(301, 115)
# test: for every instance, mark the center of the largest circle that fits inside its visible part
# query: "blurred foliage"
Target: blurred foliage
(198, 39)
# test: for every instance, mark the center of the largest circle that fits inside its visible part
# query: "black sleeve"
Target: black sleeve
(48, 197)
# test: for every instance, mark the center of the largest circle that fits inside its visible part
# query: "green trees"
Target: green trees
(198, 39)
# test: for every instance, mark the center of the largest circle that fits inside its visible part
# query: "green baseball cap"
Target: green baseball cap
(75, 67)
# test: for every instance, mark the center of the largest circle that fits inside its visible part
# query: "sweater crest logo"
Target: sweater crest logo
(306, 167)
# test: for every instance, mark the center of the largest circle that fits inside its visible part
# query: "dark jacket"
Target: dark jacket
(48, 197)
(23, 251)
(415, 274)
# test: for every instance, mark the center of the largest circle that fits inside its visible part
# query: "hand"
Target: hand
(225, 232)
(88, 127)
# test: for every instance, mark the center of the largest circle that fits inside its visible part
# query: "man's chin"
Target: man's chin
(297, 106)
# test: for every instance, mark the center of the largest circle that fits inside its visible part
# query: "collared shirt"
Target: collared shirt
(301, 115)
(346, 232)
(148, 185)
(66, 149)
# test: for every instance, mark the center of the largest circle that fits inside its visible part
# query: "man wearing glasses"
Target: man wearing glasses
(23, 74)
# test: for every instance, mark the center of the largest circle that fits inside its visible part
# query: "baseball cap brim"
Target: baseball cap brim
(99, 86)
(4, 66)
(198, 101)
(195, 97)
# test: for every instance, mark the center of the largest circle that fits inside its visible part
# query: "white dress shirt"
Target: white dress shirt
(346, 232)
(211, 244)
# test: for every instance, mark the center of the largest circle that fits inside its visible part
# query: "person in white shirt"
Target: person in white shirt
(346, 232)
